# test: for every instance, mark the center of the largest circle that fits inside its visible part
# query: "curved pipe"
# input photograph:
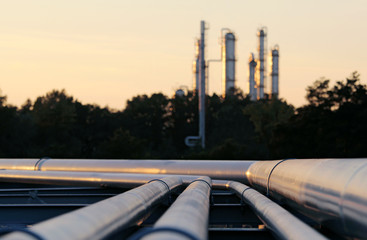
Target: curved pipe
(226, 170)
(331, 191)
(189, 213)
(98, 220)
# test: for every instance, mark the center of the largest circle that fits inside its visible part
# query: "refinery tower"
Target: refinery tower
(258, 70)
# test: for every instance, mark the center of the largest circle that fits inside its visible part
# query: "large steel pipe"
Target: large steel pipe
(189, 214)
(330, 191)
(279, 221)
(226, 170)
(103, 218)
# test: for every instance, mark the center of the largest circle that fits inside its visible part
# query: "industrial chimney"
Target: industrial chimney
(261, 67)
(252, 83)
(275, 72)
(228, 63)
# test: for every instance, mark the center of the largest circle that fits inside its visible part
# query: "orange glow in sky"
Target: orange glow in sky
(106, 52)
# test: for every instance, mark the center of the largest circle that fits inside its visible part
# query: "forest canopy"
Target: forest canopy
(56, 125)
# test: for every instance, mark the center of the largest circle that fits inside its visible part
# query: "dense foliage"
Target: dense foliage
(332, 124)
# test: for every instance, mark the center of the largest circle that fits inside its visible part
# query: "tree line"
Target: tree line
(56, 125)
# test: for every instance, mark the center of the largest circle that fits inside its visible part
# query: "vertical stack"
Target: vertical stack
(228, 63)
(252, 84)
(275, 72)
(202, 85)
(261, 65)
(258, 72)
(195, 67)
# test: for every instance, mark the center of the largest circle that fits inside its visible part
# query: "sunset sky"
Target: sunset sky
(107, 51)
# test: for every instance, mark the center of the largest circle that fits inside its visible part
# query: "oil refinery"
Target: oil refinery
(258, 75)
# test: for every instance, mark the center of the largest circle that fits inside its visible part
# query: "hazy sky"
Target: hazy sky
(107, 51)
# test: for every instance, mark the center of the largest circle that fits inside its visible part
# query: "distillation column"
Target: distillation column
(261, 67)
(228, 64)
(252, 83)
(275, 72)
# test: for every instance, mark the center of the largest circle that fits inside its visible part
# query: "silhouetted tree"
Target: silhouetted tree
(331, 125)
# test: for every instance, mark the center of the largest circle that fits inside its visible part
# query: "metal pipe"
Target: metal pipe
(189, 213)
(225, 170)
(273, 215)
(85, 179)
(331, 191)
(195, 68)
(282, 223)
(202, 93)
(99, 220)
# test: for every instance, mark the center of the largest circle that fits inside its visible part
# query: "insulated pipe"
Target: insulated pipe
(188, 214)
(331, 191)
(225, 170)
(99, 220)
(279, 221)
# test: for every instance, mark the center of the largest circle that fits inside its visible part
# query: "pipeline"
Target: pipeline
(85, 179)
(279, 221)
(99, 220)
(226, 170)
(330, 191)
(189, 214)
(273, 216)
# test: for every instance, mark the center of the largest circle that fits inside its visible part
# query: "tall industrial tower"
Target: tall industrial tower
(252, 83)
(262, 62)
(274, 72)
(195, 67)
(202, 79)
(192, 141)
(228, 62)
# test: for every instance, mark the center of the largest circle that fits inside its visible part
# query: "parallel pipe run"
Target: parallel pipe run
(103, 218)
(331, 191)
(188, 214)
(273, 215)
(226, 170)
(282, 223)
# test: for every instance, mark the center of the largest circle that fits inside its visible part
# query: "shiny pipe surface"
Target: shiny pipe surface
(85, 179)
(331, 191)
(189, 213)
(226, 170)
(98, 220)
(279, 221)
